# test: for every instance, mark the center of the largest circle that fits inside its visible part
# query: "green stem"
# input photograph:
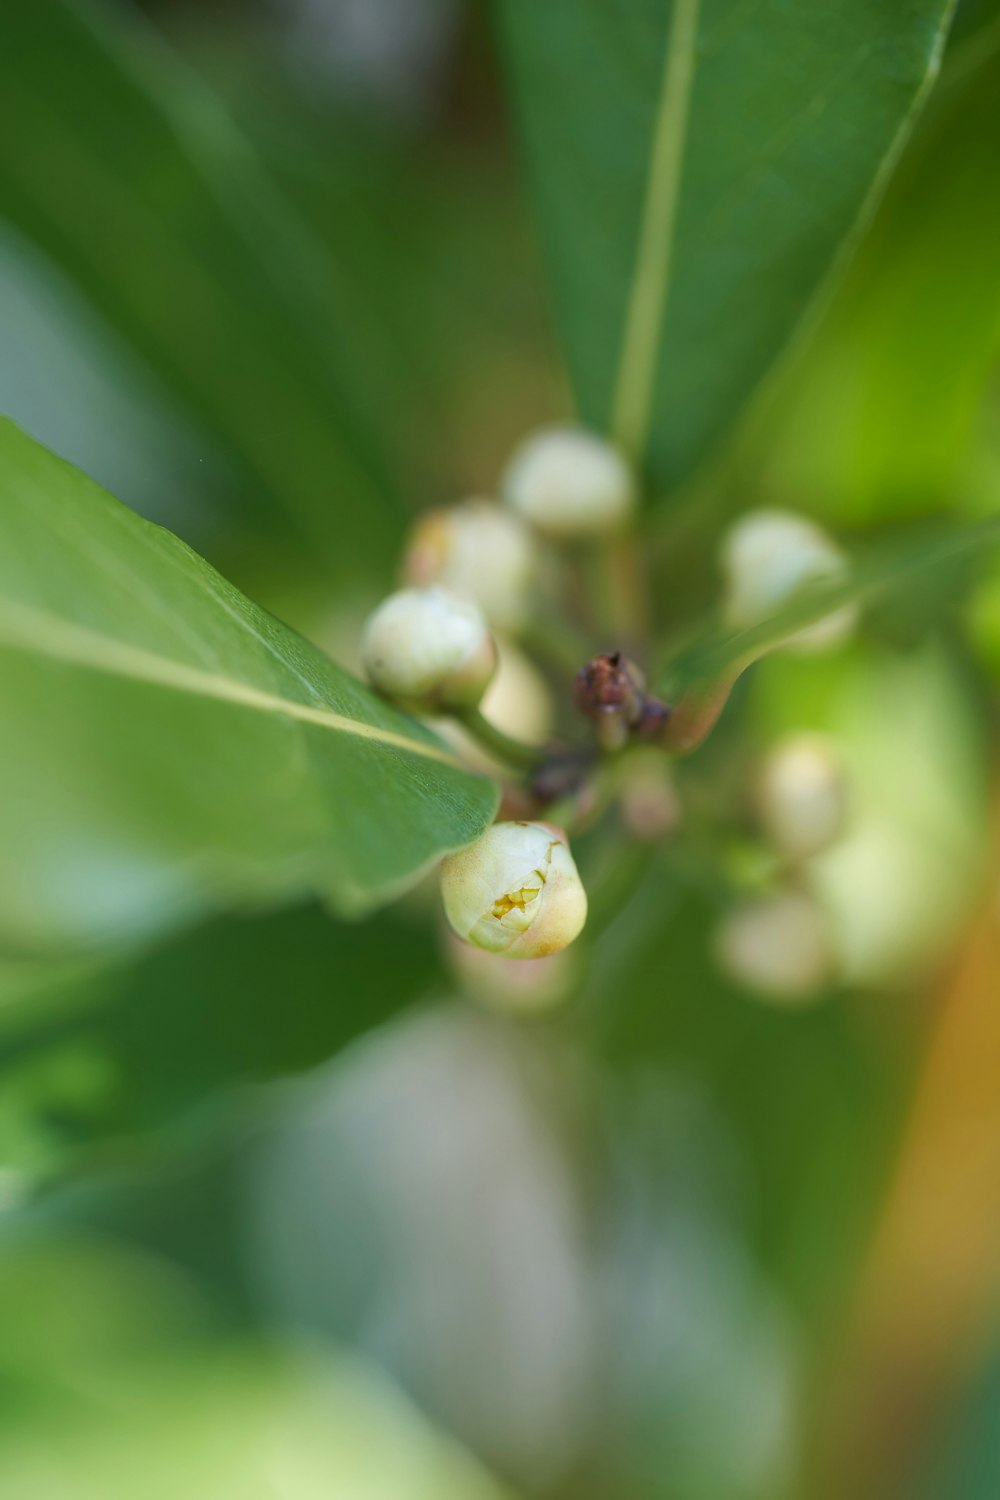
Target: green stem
(503, 746)
(617, 587)
(556, 643)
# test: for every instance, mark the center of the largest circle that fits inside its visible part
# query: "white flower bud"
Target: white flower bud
(770, 555)
(515, 891)
(802, 795)
(776, 945)
(430, 649)
(480, 552)
(569, 483)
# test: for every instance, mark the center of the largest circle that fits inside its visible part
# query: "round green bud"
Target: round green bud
(429, 649)
(569, 484)
(767, 557)
(515, 891)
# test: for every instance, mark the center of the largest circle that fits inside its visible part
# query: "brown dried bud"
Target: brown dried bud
(611, 690)
(611, 683)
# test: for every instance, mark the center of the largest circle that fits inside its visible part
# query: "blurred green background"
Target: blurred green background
(292, 1208)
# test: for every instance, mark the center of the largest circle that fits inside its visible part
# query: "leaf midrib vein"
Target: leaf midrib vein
(651, 281)
(41, 633)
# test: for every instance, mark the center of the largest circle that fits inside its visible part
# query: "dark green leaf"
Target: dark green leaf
(168, 748)
(239, 1001)
(129, 172)
(696, 167)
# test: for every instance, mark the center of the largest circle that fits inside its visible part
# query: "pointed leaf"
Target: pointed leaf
(697, 165)
(167, 747)
(718, 656)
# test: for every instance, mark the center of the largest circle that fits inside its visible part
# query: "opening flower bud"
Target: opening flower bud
(430, 649)
(802, 795)
(570, 484)
(770, 555)
(515, 891)
(480, 552)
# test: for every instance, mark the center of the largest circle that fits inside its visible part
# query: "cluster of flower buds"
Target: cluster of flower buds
(472, 569)
(476, 568)
(563, 483)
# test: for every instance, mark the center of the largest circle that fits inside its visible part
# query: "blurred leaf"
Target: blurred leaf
(168, 748)
(878, 416)
(239, 1001)
(115, 1389)
(972, 19)
(696, 170)
(812, 1112)
(128, 171)
(92, 400)
(967, 1463)
(45, 987)
(906, 567)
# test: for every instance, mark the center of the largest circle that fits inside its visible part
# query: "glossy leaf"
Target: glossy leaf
(128, 171)
(169, 748)
(697, 166)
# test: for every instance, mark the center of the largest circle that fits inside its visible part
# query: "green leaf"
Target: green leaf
(171, 1032)
(697, 166)
(128, 171)
(720, 655)
(878, 416)
(168, 748)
